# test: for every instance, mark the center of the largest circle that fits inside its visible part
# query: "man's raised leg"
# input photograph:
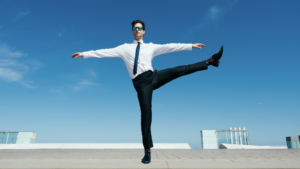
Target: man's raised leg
(164, 76)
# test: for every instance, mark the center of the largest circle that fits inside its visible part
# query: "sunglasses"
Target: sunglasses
(139, 28)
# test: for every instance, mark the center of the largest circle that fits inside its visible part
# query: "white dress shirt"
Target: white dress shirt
(147, 52)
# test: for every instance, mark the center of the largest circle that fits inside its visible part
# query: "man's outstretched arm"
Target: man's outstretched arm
(101, 53)
(174, 47)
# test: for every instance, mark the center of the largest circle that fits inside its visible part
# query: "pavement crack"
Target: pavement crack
(167, 164)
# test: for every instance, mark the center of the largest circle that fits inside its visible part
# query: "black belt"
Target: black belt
(143, 75)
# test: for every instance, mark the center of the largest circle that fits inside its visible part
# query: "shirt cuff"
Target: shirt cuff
(85, 55)
(190, 46)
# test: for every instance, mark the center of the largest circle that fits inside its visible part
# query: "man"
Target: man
(137, 57)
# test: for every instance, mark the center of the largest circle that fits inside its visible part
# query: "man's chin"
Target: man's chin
(138, 37)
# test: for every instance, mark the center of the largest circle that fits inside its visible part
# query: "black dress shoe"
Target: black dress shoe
(215, 59)
(147, 157)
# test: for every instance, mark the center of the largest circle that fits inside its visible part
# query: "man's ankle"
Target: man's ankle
(209, 61)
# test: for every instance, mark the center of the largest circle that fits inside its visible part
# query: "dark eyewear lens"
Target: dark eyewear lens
(139, 28)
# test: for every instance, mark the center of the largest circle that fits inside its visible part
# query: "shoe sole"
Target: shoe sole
(145, 162)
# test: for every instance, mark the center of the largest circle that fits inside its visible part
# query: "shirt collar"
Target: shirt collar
(135, 41)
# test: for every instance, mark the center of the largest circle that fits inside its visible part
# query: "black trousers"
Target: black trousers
(147, 82)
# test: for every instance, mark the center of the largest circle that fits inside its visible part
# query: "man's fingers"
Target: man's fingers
(198, 45)
(76, 55)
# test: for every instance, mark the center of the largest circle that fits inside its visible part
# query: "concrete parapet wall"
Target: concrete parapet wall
(93, 146)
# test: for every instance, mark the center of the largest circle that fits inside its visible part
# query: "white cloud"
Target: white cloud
(7, 62)
(213, 15)
(84, 83)
(5, 52)
(92, 73)
(10, 75)
(13, 70)
(20, 15)
(13, 63)
(61, 32)
(33, 64)
(27, 85)
(216, 12)
(88, 80)
(56, 90)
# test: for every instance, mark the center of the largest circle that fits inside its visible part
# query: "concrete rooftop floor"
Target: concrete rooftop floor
(161, 158)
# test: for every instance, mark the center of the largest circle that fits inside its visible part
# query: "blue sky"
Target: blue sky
(93, 100)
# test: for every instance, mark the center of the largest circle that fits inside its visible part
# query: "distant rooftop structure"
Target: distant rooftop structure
(17, 137)
(235, 146)
(293, 142)
(211, 139)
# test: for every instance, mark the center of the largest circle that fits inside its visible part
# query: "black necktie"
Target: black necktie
(136, 58)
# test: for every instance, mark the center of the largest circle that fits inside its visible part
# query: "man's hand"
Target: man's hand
(198, 45)
(76, 55)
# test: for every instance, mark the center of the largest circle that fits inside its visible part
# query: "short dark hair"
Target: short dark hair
(138, 21)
